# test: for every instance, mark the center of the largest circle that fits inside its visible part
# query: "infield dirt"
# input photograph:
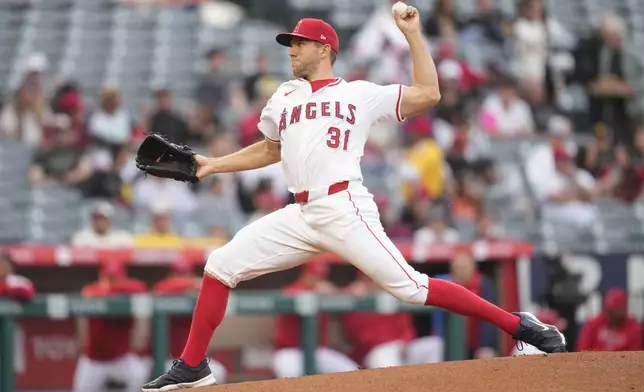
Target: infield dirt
(571, 372)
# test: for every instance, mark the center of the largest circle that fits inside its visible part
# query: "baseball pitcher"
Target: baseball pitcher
(317, 125)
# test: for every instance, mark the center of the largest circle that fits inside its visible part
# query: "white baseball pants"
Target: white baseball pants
(398, 353)
(288, 362)
(91, 375)
(346, 223)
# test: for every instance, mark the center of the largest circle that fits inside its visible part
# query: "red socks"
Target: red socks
(209, 312)
(457, 299)
(213, 300)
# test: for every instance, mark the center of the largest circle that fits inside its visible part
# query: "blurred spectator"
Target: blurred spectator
(161, 234)
(452, 70)
(165, 121)
(110, 126)
(443, 22)
(109, 346)
(253, 83)
(638, 145)
(487, 229)
(534, 34)
(567, 197)
(436, 231)
(182, 280)
(68, 100)
(468, 202)
(101, 234)
(265, 201)
(247, 128)
(12, 285)
(24, 117)
(487, 22)
(454, 86)
(597, 154)
(504, 114)
(33, 70)
(176, 195)
(463, 142)
(540, 163)
(546, 316)
(271, 176)
(390, 223)
(426, 157)
(62, 161)
(218, 208)
(380, 49)
(213, 86)
(287, 358)
(384, 340)
(481, 336)
(613, 329)
(503, 187)
(417, 211)
(613, 74)
(623, 180)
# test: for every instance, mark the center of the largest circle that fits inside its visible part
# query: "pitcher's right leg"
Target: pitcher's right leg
(276, 242)
(364, 243)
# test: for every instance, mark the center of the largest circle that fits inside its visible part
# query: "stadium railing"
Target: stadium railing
(306, 306)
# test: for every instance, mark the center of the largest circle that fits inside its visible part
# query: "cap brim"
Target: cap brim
(284, 39)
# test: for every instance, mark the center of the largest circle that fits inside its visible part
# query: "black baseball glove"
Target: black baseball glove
(160, 157)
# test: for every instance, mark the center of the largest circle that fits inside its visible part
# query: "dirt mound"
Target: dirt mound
(572, 372)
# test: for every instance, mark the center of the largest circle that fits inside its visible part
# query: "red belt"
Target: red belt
(303, 197)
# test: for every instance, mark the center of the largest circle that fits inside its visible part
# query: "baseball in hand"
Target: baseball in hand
(399, 8)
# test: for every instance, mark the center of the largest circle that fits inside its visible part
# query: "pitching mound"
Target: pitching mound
(573, 372)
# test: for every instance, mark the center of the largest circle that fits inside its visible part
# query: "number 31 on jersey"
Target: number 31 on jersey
(337, 138)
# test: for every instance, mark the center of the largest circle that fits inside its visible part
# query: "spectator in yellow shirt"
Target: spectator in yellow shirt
(161, 234)
(426, 157)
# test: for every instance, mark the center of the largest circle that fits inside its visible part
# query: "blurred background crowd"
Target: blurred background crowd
(538, 137)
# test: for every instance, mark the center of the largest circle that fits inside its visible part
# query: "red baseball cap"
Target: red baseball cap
(615, 299)
(314, 29)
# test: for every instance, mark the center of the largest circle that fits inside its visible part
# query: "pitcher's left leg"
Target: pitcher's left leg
(365, 244)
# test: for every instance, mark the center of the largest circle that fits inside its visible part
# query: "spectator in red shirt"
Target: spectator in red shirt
(11, 285)
(288, 358)
(613, 329)
(182, 280)
(384, 340)
(110, 345)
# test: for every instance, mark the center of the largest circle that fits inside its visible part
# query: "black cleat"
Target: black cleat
(544, 337)
(182, 376)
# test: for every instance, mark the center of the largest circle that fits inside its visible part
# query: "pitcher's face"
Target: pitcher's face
(305, 57)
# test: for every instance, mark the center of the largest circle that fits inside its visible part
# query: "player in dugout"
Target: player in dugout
(111, 347)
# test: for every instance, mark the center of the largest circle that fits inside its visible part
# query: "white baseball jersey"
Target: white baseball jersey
(323, 133)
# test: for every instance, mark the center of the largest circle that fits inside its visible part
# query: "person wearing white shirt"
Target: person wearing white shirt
(567, 197)
(111, 123)
(534, 34)
(505, 114)
(540, 163)
(101, 234)
(164, 191)
(381, 46)
(23, 118)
